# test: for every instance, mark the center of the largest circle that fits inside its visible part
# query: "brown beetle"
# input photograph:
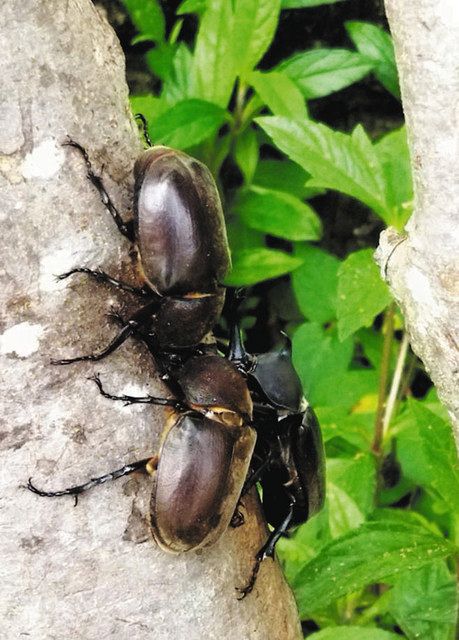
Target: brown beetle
(180, 235)
(202, 459)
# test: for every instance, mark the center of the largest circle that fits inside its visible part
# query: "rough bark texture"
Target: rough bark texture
(423, 270)
(92, 571)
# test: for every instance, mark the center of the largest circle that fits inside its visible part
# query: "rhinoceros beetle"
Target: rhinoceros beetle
(179, 231)
(203, 457)
(289, 450)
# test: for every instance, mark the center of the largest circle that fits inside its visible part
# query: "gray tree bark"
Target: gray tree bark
(423, 270)
(92, 571)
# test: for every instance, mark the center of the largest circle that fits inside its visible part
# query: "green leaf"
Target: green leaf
(277, 213)
(147, 17)
(367, 555)
(353, 633)
(240, 237)
(320, 72)
(347, 474)
(424, 603)
(179, 83)
(335, 160)
(315, 283)
(149, 106)
(361, 292)
(300, 4)
(319, 356)
(246, 153)
(283, 175)
(279, 93)
(356, 428)
(352, 386)
(160, 59)
(344, 514)
(427, 453)
(376, 44)
(232, 38)
(255, 265)
(191, 6)
(394, 156)
(188, 123)
(214, 63)
(254, 28)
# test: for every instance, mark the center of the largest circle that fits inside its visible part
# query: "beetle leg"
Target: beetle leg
(93, 482)
(267, 550)
(143, 120)
(256, 475)
(101, 276)
(126, 228)
(166, 402)
(135, 323)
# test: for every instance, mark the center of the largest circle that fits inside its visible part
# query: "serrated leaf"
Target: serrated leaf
(252, 266)
(279, 93)
(254, 28)
(232, 38)
(335, 160)
(367, 555)
(376, 44)
(361, 292)
(427, 453)
(320, 72)
(394, 156)
(147, 17)
(277, 213)
(424, 603)
(315, 283)
(283, 175)
(188, 123)
(246, 153)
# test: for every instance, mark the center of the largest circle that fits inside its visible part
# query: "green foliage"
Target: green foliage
(323, 71)
(359, 571)
(353, 633)
(374, 552)
(376, 45)
(188, 123)
(424, 602)
(362, 295)
(346, 163)
(277, 213)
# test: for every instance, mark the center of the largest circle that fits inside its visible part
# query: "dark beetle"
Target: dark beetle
(202, 459)
(179, 231)
(289, 451)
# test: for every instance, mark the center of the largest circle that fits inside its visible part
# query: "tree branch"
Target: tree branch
(92, 571)
(423, 271)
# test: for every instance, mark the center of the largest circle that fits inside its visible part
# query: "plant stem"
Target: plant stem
(388, 329)
(395, 386)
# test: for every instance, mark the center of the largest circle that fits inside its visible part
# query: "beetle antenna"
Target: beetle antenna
(143, 120)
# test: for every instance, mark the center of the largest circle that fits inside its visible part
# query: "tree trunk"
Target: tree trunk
(423, 270)
(92, 571)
